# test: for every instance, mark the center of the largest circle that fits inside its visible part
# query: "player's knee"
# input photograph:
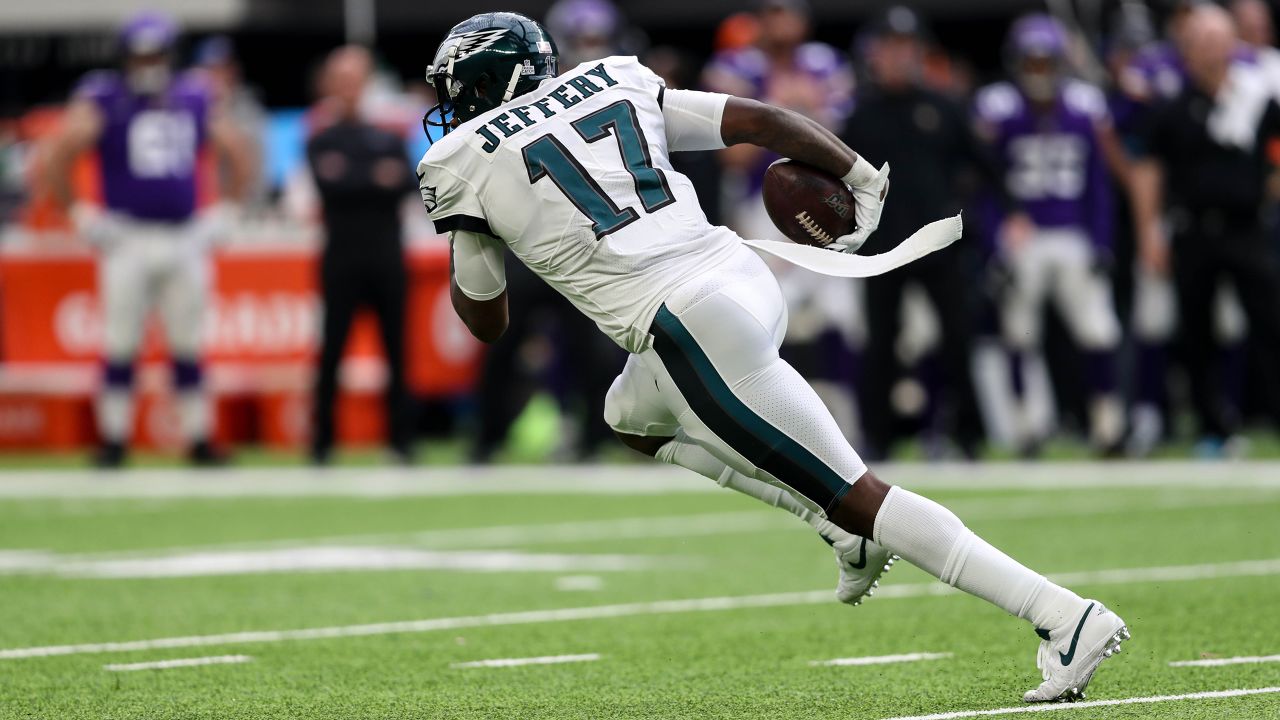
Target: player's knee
(187, 374)
(613, 404)
(118, 374)
(1100, 334)
(649, 445)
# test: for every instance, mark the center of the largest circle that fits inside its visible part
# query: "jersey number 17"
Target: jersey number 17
(548, 157)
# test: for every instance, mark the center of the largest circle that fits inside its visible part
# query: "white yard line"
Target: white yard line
(474, 538)
(631, 528)
(880, 659)
(359, 558)
(662, 607)
(516, 662)
(1057, 707)
(179, 663)
(1217, 662)
(604, 480)
(579, 583)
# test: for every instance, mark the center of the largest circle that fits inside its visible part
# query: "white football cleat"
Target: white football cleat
(1069, 656)
(861, 563)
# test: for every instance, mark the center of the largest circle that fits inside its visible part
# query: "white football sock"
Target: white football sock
(933, 539)
(687, 453)
(115, 414)
(194, 414)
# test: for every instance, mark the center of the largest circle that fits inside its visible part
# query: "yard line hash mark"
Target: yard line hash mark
(1216, 662)
(1055, 707)
(179, 663)
(516, 662)
(880, 659)
(1247, 568)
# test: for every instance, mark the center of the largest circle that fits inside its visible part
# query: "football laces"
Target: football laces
(814, 230)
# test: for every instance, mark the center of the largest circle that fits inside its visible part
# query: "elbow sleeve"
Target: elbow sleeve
(693, 119)
(478, 267)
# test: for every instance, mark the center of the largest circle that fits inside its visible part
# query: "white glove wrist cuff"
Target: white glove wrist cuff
(860, 174)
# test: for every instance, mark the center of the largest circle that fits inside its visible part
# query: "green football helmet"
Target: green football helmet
(485, 61)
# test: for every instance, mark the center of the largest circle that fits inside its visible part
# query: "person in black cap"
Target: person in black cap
(928, 141)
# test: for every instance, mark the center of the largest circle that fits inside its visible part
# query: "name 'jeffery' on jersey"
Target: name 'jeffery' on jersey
(575, 179)
(566, 95)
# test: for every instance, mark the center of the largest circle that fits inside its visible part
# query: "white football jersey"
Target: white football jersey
(576, 179)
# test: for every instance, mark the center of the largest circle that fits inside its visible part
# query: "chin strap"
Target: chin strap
(511, 86)
(448, 70)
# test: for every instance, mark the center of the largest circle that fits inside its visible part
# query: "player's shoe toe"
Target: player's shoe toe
(1069, 656)
(861, 563)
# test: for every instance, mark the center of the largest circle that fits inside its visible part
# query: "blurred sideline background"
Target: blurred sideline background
(536, 396)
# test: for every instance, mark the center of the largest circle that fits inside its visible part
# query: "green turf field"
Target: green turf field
(356, 593)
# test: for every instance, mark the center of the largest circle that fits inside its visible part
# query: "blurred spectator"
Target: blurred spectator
(216, 59)
(589, 30)
(1053, 136)
(737, 31)
(702, 168)
(1149, 295)
(362, 173)
(785, 68)
(927, 139)
(1257, 31)
(13, 191)
(149, 127)
(1207, 165)
(1157, 73)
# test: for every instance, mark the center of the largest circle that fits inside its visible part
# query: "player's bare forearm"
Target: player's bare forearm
(486, 319)
(1114, 154)
(81, 126)
(786, 133)
(236, 149)
(1145, 180)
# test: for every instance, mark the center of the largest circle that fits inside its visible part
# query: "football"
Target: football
(808, 205)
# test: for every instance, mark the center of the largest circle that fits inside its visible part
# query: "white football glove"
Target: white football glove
(215, 224)
(96, 225)
(869, 187)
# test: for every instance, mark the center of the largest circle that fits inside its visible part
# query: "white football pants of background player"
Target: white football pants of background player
(1058, 265)
(145, 266)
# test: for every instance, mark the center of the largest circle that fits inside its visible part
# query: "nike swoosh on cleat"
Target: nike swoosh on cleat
(1070, 654)
(862, 556)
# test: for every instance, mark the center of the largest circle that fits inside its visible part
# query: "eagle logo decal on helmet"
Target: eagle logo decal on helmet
(473, 42)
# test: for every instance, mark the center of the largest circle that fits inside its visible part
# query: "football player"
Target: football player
(149, 128)
(571, 173)
(1052, 135)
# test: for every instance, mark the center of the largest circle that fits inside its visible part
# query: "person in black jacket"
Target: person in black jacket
(928, 141)
(363, 174)
(1206, 167)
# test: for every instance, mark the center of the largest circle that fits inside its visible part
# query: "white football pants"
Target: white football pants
(713, 370)
(153, 265)
(1057, 264)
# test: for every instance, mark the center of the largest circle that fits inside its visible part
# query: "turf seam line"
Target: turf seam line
(179, 663)
(597, 480)
(1216, 662)
(518, 662)
(661, 607)
(1054, 707)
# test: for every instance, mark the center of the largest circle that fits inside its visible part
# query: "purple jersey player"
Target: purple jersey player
(783, 69)
(1048, 131)
(148, 145)
(148, 129)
